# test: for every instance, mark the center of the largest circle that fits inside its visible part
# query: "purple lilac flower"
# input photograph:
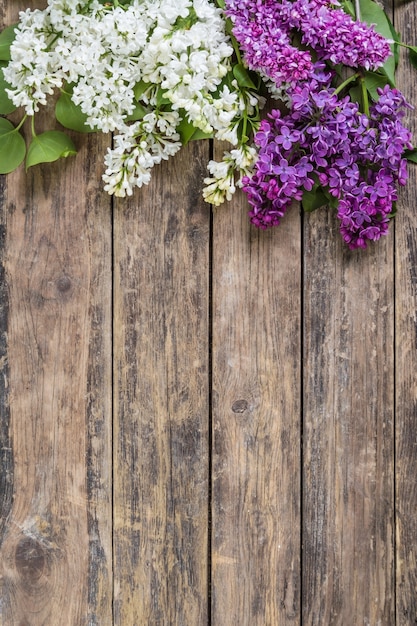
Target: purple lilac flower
(323, 140)
(264, 30)
(364, 214)
(335, 36)
(281, 176)
(265, 41)
(327, 141)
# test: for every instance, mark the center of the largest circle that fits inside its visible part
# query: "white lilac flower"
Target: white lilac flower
(190, 60)
(137, 149)
(33, 72)
(226, 175)
(179, 47)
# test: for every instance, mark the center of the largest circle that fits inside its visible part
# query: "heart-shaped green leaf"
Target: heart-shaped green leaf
(242, 76)
(7, 37)
(161, 98)
(374, 81)
(138, 113)
(186, 130)
(355, 94)
(12, 147)
(70, 115)
(200, 134)
(314, 199)
(49, 146)
(140, 88)
(411, 155)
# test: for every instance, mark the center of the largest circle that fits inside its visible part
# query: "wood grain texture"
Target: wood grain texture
(56, 553)
(107, 435)
(161, 255)
(6, 451)
(56, 547)
(348, 430)
(406, 353)
(256, 420)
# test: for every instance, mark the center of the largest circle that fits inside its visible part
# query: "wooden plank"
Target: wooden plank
(161, 256)
(56, 552)
(56, 547)
(406, 358)
(348, 512)
(256, 419)
(348, 429)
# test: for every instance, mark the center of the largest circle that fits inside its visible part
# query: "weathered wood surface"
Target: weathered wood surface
(405, 365)
(202, 423)
(161, 399)
(256, 421)
(56, 554)
(348, 464)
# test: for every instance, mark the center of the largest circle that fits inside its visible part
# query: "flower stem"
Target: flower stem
(405, 45)
(346, 82)
(32, 122)
(365, 98)
(54, 39)
(236, 49)
(22, 121)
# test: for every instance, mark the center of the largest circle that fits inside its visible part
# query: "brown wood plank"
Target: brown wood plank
(56, 547)
(56, 552)
(348, 429)
(406, 355)
(256, 420)
(161, 252)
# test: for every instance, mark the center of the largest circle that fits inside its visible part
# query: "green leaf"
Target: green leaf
(397, 39)
(373, 81)
(186, 130)
(413, 56)
(372, 13)
(6, 105)
(314, 199)
(138, 113)
(49, 146)
(7, 37)
(411, 155)
(140, 88)
(12, 147)
(242, 76)
(161, 99)
(355, 94)
(348, 8)
(70, 115)
(200, 134)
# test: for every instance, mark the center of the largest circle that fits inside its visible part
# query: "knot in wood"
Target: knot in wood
(30, 559)
(240, 406)
(63, 284)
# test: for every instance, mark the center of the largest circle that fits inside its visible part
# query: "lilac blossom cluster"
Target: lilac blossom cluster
(324, 149)
(327, 142)
(265, 41)
(335, 36)
(264, 31)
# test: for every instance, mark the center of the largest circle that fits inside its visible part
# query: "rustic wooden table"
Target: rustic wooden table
(202, 423)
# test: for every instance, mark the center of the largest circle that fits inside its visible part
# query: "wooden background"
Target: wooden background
(202, 423)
